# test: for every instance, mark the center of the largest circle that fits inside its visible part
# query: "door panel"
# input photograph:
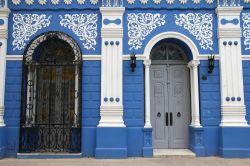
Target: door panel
(158, 105)
(170, 96)
(179, 106)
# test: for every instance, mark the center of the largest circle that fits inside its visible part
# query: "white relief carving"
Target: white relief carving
(209, 1)
(67, 2)
(157, 1)
(42, 2)
(16, 2)
(144, 2)
(81, 2)
(246, 1)
(29, 2)
(170, 1)
(246, 30)
(196, 1)
(199, 25)
(141, 25)
(84, 26)
(26, 25)
(55, 2)
(183, 1)
(93, 2)
(131, 1)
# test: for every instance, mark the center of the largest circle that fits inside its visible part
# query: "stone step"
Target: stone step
(161, 153)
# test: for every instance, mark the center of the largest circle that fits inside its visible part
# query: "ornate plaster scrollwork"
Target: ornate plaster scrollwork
(157, 1)
(26, 25)
(29, 2)
(93, 2)
(199, 25)
(81, 2)
(140, 25)
(67, 2)
(170, 1)
(42, 2)
(16, 2)
(84, 26)
(183, 1)
(55, 2)
(131, 1)
(246, 30)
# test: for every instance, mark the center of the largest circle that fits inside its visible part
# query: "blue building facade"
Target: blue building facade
(70, 84)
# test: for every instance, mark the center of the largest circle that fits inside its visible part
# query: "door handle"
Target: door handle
(171, 119)
(166, 118)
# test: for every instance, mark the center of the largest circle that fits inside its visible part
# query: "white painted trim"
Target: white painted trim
(193, 80)
(205, 57)
(245, 57)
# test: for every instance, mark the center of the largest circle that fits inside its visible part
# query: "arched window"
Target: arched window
(51, 95)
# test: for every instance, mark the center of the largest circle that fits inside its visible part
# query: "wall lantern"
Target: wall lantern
(132, 61)
(210, 63)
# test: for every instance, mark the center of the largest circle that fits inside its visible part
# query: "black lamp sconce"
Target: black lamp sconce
(210, 63)
(132, 62)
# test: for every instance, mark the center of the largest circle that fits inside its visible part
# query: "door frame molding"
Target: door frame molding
(192, 65)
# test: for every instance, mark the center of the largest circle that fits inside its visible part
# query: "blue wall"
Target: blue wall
(246, 79)
(133, 100)
(210, 107)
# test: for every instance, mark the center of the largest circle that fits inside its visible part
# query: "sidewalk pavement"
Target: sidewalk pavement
(169, 161)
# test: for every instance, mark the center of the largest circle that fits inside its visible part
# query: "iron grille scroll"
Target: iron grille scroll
(51, 98)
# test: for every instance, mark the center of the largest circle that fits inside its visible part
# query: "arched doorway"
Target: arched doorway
(169, 96)
(50, 119)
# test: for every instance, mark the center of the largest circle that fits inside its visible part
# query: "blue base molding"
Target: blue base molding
(147, 142)
(196, 141)
(234, 142)
(111, 143)
(47, 156)
(2, 142)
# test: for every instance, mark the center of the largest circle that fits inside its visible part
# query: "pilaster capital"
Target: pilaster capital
(193, 64)
(147, 63)
(4, 12)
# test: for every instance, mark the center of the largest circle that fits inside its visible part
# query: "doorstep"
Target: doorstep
(48, 155)
(173, 152)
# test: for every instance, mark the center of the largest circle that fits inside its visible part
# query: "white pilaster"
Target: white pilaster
(4, 14)
(147, 64)
(111, 91)
(233, 108)
(194, 82)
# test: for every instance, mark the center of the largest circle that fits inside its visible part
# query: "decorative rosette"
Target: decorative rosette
(67, 2)
(183, 1)
(144, 2)
(81, 2)
(29, 2)
(131, 1)
(93, 2)
(55, 2)
(196, 1)
(209, 1)
(170, 1)
(157, 1)
(42, 2)
(16, 2)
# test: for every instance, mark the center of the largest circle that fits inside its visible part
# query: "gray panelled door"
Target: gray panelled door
(170, 105)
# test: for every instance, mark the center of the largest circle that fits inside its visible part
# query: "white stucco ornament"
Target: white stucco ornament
(26, 25)
(196, 1)
(209, 1)
(183, 1)
(16, 2)
(246, 1)
(29, 2)
(246, 30)
(170, 1)
(67, 2)
(140, 25)
(131, 1)
(144, 2)
(81, 2)
(55, 2)
(157, 1)
(93, 2)
(199, 25)
(42, 2)
(84, 26)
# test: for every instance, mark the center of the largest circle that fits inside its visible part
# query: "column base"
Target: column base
(233, 116)
(111, 116)
(147, 150)
(2, 142)
(196, 142)
(111, 142)
(234, 142)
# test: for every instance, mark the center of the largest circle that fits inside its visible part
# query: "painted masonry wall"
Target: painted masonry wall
(206, 141)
